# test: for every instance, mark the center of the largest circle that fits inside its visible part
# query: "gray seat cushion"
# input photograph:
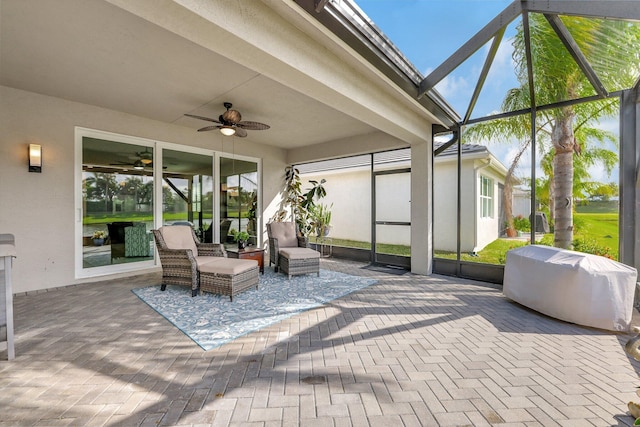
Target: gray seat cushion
(299, 253)
(228, 266)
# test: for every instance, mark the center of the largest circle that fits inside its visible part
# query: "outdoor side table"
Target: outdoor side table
(7, 252)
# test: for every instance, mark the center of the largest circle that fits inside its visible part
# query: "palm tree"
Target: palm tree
(570, 130)
(101, 186)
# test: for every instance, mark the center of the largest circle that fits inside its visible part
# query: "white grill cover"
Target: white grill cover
(580, 288)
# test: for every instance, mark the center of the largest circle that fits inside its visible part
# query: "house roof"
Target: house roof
(464, 148)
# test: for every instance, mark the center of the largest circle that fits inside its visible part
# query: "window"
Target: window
(486, 197)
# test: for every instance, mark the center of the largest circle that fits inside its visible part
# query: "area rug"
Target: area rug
(212, 320)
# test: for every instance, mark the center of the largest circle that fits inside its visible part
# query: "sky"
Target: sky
(427, 32)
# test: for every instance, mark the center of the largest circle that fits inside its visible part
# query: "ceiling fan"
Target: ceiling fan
(142, 160)
(230, 123)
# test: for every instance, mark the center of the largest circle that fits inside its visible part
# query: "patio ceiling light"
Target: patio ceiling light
(138, 165)
(227, 130)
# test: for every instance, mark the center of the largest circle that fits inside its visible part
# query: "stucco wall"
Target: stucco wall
(475, 232)
(350, 193)
(38, 208)
(487, 228)
(445, 215)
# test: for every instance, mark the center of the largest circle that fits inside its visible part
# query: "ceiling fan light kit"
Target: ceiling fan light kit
(230, 123)
(227, 130)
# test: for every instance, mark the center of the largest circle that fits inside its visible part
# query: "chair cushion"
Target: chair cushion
(285, 232)
(299, 253)
(179, 237)
(230, 266)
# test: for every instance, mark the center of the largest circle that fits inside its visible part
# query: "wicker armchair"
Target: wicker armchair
(180, 253)
(289, 252)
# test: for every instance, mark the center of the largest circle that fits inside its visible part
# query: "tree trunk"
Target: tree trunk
(508, 190)
(552, 201)
(563, 142)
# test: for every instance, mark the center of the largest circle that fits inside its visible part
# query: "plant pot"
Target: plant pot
(511, 232)
(98, 242)
(242, 244)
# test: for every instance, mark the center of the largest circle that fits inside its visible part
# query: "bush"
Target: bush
(590, 246)
(521, 223)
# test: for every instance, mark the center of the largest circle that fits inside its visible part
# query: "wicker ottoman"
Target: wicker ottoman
(294, 261)
(226, 276)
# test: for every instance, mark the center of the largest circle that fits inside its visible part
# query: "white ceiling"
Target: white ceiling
(96, 53)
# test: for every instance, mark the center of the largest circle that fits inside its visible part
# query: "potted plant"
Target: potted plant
(98, 237)
(242, 237)
(302, 205)
(321, 219)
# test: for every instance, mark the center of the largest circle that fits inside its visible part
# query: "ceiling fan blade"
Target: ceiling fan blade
(252, 125)
(202, 118)
(240, 132)
(206, 128)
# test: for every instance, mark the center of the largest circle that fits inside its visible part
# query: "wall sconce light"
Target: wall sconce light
(227, 130)
(35, 158)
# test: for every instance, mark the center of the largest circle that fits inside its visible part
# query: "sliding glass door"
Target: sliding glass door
(127, 186)
(117, 202)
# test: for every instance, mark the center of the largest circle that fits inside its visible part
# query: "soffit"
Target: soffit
(93, 52)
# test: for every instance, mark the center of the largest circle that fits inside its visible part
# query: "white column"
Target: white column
(421, 211)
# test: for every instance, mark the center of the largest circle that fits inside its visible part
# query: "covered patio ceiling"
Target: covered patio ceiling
(160, 60)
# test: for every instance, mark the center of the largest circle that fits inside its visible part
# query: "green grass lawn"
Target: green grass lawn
(599, 231)
(134, 217)
(382, 248)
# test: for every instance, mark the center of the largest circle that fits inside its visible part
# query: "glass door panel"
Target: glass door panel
(117, 202)
(238, 199)
(187, 191)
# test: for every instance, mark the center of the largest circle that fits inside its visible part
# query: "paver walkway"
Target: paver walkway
(411, 350)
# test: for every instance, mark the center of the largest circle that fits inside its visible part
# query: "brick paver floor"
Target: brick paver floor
(411, 350)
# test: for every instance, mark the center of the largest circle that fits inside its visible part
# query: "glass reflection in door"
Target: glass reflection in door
(187, 191)
(238, 199)
(117, 202)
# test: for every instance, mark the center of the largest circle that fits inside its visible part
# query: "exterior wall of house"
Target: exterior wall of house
(521, 203)
(445, 214)
(350, 194)
(475, 232)
(469, 192)
(487, 228)
(39, 208)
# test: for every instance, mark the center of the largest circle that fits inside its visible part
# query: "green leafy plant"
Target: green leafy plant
(590, 246)
(321, 219)
(521, 223)
(301, 205)
(241, 236)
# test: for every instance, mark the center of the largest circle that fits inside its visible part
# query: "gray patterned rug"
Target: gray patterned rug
(212, 320)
